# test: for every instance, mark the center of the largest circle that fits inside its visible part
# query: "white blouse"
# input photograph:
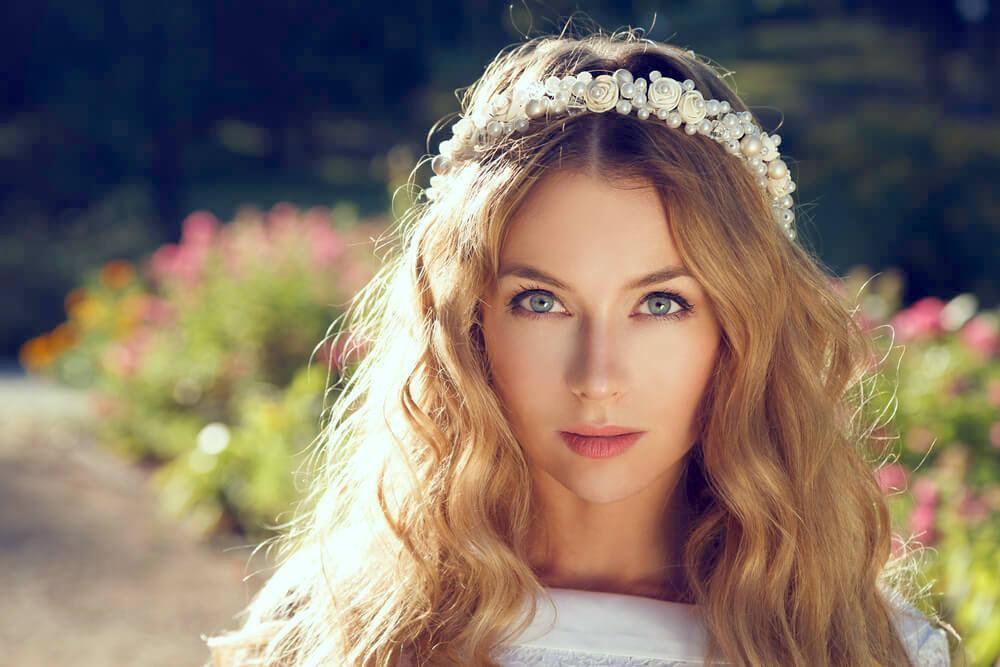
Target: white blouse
(596, 629)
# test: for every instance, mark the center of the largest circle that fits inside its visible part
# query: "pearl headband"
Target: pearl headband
(666, 99)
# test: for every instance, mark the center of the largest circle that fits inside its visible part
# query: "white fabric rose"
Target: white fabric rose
(779, 186)
(664, 93)
(770, 151)
(602, 93)
(688, 107)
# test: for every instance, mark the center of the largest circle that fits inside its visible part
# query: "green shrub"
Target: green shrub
(203, 363)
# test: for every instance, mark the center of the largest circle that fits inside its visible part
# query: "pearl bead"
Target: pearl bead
(674, 120)
(705, 126)
(640, 84)
(642, 113)
(440, 165)
(623, 76)
(639, 99)
(761, 168)
(662, 113)
(534, 109)
(751, 146)
(713, 107)
(654, 75)
(579, 88)
(786, 201)
(690, 129)
(623, 106)
(562, 96)
(628, 90)
(521, 124)
(494, 128)
(725, 107)
(688, 84)
(791, 186)
(585, 77)
(558, 107)
(731, 121)
(777, 169)
(552, 84)
(787, 216)
(776, 138)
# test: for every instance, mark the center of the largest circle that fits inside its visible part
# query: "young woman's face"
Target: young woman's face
(585, 346)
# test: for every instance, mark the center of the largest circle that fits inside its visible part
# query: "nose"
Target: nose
(595, 373)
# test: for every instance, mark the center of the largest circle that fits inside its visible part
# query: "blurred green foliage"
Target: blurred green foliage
(199, 363)
(937, 398)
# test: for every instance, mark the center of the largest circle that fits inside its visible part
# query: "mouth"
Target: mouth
(600, 446)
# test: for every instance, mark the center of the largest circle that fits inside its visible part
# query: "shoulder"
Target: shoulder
(926, 644)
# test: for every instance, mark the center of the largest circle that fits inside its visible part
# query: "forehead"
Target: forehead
(571, 219)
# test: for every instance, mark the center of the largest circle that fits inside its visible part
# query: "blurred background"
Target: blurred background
(189, 196)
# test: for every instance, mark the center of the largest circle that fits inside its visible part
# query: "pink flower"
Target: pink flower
(198, 229)
(282, 220)
(921, 320)
(922, 524)
(156, 310)
(925, 491)
(995, 435)
(326, 244)
(972, 508)
(981, 334)
(178, 262)
(123, 358)
(892, 477)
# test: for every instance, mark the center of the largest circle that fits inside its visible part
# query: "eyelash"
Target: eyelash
(524, 290)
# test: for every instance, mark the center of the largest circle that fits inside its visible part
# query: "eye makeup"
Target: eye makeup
(515, 309)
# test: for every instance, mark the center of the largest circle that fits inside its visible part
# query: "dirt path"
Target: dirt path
(90, 576)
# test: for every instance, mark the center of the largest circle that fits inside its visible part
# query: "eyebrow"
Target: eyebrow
(532, 273)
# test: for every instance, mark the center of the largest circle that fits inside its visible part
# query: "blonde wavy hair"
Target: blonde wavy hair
(411, 545)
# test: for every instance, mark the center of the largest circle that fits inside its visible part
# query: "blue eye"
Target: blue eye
(542, 297)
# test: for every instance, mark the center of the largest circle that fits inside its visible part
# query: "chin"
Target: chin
(601, 489)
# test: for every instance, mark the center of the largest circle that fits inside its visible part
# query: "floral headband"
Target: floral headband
(673, 102)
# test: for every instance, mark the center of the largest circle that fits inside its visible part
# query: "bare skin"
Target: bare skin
(599, 352)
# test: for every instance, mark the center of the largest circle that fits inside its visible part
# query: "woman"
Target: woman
(603, 379)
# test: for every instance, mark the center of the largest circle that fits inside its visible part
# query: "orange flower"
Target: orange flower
(117, 273)
(74, 297)
(63, 336)
(36, 353)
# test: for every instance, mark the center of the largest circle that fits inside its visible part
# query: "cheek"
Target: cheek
(526, 362)
(673, 384)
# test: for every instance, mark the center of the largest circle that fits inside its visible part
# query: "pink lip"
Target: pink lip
(605, 430)
(599, 447)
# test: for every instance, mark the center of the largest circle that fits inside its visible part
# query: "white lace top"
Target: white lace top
(595, 629)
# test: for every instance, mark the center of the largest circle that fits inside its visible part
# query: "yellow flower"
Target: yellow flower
(88, 312)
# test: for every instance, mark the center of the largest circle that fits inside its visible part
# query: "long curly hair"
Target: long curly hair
(412, 542)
